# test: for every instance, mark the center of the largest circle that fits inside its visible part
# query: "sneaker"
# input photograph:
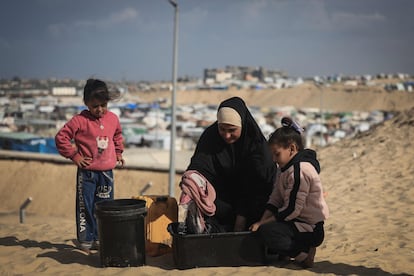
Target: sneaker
(84, 246)
(95, 245)
(308, 262)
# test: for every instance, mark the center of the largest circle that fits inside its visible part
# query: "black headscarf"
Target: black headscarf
(242, 173)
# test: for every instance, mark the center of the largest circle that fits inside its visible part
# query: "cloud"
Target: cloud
(119, 17)
(312, 16)
(353, 21)
(254, 9)
(317, 16)
(57, 29)
(127, 14)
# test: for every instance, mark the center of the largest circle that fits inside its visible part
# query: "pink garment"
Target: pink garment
(196, 187)
(310, 205)
(99, 139)
(198, 197)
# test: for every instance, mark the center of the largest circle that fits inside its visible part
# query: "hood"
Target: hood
(306, 155)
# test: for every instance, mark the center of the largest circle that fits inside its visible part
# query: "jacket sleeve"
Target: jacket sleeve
(64, 139)
(118, 140)
(297, 197)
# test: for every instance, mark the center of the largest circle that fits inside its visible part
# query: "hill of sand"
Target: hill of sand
(368, 181)
(333, 98)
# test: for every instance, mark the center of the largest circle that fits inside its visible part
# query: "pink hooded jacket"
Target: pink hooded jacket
(87, 136)
(302, 202)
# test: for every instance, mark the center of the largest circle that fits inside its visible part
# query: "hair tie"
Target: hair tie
(288, 122)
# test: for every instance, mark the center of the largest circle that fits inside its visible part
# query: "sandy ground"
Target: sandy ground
(368, 180)
(335, 97)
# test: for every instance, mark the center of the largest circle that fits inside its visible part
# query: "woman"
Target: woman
(232, 154)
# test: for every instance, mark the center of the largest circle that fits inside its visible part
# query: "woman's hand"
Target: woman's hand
(255, 226)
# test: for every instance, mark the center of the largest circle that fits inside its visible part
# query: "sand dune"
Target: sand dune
(368, 180)
(334, 98)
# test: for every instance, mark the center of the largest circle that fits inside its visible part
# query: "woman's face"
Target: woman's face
(97, 107)
(229, 133)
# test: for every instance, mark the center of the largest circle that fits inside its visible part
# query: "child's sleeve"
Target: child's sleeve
(118, 140)
(64, 137)
(299, 193)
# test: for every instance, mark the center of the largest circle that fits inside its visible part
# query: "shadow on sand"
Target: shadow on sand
(69, 254)
(326, 267)
(61, 252)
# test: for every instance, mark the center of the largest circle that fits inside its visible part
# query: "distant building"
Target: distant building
(240, 73)
(64, 91)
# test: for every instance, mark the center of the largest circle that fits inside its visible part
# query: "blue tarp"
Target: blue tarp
(27, 142)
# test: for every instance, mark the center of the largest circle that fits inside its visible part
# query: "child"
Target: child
(97, 149)
(292, 224)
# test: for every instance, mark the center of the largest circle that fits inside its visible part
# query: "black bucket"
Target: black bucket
(121, 232)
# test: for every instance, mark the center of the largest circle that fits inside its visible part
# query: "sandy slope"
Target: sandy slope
(334, 98)
(368, 180)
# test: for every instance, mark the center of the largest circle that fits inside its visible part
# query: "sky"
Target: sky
(133, 39)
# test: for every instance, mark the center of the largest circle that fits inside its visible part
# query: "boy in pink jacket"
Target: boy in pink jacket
(93, 141)
(292, 224)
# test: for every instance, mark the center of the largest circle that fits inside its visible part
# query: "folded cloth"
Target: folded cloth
(197, 198)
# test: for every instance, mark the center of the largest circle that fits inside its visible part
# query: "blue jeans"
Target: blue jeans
(91, 187)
